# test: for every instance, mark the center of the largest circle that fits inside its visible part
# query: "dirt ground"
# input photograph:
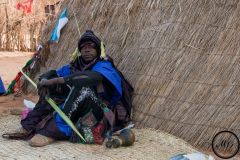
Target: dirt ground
(149, 144)
(10, 63)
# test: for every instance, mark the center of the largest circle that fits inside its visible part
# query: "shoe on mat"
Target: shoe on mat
(19, 133)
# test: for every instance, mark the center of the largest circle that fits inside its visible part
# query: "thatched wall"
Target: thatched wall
(182, 57)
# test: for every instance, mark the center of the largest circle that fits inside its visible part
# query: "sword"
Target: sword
(56, 108)
(131, 125)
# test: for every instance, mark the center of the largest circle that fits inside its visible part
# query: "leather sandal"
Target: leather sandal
(20, 133)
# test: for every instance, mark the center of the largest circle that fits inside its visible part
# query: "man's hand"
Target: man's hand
(43, 92)
(43, 89)
(45, 82)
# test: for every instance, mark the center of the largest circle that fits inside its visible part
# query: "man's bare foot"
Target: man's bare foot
(39, 141)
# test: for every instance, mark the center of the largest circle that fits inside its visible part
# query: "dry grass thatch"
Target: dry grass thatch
(182, 57)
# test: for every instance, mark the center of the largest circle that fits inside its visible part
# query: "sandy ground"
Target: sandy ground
(10, 63)
(149, 144)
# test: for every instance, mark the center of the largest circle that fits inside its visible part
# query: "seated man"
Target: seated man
(88, 86)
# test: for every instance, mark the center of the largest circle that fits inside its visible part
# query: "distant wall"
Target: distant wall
(18, 31)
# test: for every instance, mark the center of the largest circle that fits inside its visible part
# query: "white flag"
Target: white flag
(60, 24)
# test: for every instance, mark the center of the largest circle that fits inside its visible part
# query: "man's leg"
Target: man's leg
(84, 101)
(35, 116)
(29, 124)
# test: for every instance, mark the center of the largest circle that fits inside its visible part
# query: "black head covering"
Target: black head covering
(90, 36)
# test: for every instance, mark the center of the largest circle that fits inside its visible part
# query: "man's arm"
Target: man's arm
(77, 79)
(86, 78)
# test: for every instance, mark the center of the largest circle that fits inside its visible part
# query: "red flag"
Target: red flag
(25, 6)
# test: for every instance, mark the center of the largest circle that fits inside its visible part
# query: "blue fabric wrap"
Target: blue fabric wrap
(64, 71)
(2, 89)
(62, 126)
(106, 69)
